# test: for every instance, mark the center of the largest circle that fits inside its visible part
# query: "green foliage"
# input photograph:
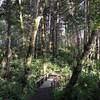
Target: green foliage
(12, 88)
(57, 94)
(2, 24)
(85, 87)
(65, 58)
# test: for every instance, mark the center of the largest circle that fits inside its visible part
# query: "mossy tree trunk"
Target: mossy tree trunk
(77, 69)
(30, 52)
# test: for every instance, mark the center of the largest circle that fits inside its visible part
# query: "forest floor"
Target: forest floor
(45, 92)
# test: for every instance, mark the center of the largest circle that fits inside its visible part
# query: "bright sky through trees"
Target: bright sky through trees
(1, 2)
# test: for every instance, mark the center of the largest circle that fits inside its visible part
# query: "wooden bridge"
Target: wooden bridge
(45, 86)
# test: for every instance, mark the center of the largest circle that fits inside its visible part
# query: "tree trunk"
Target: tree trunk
(53, 29)
(36, 22)
(7, 55)
(21, 22)
(98, 46)
(32, 40)
(77, 70)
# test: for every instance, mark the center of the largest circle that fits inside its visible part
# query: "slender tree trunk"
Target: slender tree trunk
(21, 22)
(98, 46)
(53, 29)
(8, 53)
(52, 35)
(87, 22)
(43, 36)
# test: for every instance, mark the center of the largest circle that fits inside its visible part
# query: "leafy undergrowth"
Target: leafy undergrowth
(87, 88)
(88, 85)
(12, 88)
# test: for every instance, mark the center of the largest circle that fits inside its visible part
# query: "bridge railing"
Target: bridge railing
(41, 80)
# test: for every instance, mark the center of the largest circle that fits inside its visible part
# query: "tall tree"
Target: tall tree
(30, 52)
(8, 52)
(36, 22)
(21, 21)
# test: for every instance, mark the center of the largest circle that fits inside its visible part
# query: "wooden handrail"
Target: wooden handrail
(40, 81)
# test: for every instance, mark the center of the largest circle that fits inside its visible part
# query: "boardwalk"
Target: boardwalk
(45, 92)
